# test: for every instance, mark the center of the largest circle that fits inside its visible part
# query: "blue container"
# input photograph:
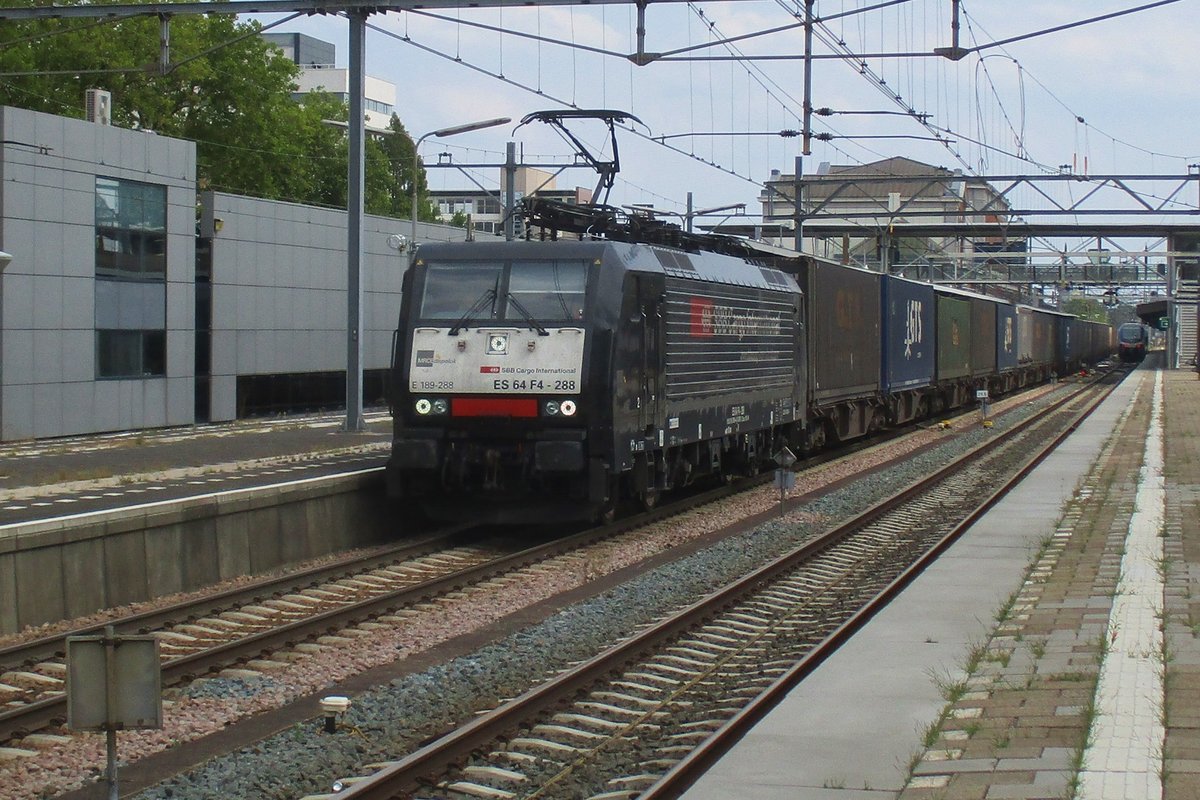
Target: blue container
(1006, 337)
(908, 333)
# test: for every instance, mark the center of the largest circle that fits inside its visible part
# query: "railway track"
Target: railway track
(250, 623)
(240, 626)
(646, 716)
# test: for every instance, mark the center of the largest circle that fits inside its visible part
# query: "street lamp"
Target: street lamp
(454, 130)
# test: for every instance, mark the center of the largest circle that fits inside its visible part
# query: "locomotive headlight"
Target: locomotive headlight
(423, 406)
(551, 408)
(440, 406)
(567, 407)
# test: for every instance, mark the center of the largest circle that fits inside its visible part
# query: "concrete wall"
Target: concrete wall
(279, 289)
(48, 171)
(54, 570)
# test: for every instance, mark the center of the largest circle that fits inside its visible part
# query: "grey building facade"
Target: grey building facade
(96, 307)
(277, 281)
(131, 302)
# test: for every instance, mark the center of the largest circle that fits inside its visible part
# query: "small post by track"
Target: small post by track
(784, 477)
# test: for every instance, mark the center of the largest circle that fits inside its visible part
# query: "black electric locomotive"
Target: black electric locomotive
(545, 380)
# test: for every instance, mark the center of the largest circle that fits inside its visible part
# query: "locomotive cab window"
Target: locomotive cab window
(546, 291)
(552, 291)
(1130, 333)
(452, 289)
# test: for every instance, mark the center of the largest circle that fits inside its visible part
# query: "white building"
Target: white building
(318, 74)
(871, 198)
(486, 209)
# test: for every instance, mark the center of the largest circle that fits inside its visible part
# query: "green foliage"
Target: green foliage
(225, 88)
(398, 150)
(459, 220)
(1086, 308)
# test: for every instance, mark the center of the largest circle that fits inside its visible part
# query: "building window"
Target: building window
(131, 276)
(131, 354)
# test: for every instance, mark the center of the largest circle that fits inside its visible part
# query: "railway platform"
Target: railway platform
(176, 509)
(1053, 652)
(46, 477)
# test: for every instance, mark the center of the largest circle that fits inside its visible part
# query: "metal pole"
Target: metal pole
(416, 167)
(806, 147)
(510, 191)
(690, 208)
(164, 44)
(797, 214)
(354, 221)
(808, 37)
(110, 710)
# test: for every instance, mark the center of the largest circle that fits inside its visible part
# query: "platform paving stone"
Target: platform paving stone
(1181, 609)
(1041, 667)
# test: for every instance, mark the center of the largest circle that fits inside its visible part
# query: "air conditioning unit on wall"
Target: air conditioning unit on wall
(99, 106)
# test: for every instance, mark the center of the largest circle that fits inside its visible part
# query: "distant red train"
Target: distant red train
(1132, 340)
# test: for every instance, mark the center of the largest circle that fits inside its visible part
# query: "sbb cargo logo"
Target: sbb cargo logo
(702, 317)
(489, 370)
(709, 319)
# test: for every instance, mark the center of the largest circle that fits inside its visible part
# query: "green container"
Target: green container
(953, 337)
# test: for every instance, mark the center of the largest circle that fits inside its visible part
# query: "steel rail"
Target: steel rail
(39, 714)
(680, 777)
(48, 711)
(416, 769)
(54, 645)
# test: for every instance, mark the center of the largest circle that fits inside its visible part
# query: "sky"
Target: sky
(1120, 96)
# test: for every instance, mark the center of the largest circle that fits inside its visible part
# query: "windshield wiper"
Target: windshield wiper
(469, 318)
(529, 318)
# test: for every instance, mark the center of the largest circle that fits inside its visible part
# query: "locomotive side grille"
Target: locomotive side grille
(725, 339)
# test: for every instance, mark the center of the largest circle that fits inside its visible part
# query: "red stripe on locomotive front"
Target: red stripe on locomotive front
(493, 407)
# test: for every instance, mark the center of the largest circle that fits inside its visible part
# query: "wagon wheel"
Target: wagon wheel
(650, 498)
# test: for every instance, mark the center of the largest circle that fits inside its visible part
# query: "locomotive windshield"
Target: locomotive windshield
(542, 291)
(452, 289)
(1130, 333)
(552, 291)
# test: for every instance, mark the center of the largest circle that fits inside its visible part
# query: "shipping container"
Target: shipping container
(844, 309)
(1025, 334)
(1064, 358)
(953, 335)
(1036, 337)
(983, 336)
(908, 332)
(1006, 337)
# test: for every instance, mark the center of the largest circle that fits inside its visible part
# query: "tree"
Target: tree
(226, 88)
(1086, 308)
(398, 147)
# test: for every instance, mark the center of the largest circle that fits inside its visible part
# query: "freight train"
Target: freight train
(1133, 338)
(549, 380)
